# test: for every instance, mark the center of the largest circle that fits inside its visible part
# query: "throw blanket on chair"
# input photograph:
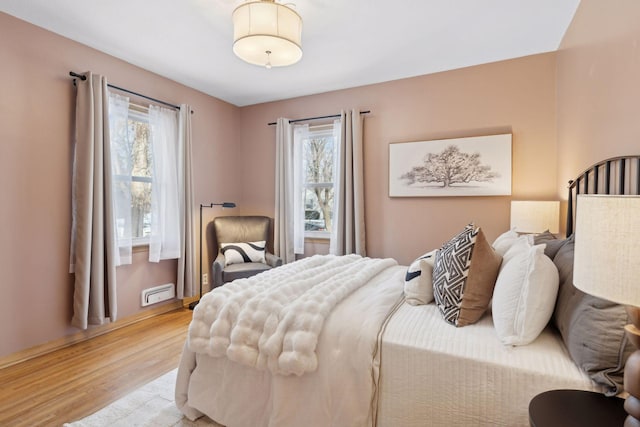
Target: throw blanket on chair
(273, 320)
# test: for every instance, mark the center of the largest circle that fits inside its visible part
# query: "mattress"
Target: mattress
(434, 374)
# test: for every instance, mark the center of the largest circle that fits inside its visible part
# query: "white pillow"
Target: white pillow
(517, 246)
(504, 241)
(525, 294)
(418, 283)
(236, 253)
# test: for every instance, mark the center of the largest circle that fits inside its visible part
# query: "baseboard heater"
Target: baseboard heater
(158, 294)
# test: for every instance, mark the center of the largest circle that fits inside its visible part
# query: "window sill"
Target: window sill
(316, 239)
(323, 235)
(142, 247)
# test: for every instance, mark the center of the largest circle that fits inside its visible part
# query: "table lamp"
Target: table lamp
(535, 216)
(607, 265)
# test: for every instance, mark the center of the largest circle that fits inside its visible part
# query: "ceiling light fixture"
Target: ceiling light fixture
(267, 33)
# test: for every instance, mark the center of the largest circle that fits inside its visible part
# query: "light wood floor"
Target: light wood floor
(76, 381)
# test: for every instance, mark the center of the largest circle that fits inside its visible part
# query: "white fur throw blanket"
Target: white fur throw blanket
(273, 320)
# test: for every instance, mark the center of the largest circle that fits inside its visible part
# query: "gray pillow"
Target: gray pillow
(592, 328)
(544, 237)
(553, 244)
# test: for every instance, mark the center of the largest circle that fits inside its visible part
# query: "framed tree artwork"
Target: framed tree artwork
(473, 166)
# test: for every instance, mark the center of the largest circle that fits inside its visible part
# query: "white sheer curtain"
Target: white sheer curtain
(300, 133)
(93, 236)
(121, 166)
(166, 184)
(348, 234)
(283, 222)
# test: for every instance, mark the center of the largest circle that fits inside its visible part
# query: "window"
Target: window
(318, 158)
(133, 166)
(141, 167)
(147, 170)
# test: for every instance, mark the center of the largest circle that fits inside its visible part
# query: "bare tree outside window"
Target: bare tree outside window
(140, 179)
(319, 166)
(132, 170)
(450, 167)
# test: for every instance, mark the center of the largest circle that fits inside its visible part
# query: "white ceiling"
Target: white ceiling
(345, 43)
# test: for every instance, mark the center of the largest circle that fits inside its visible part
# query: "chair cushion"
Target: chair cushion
(240, 271)
(237, 253)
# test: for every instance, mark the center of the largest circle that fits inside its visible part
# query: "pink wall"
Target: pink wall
(593, 80)
(515, 96)
(36, 114)
(598, 87)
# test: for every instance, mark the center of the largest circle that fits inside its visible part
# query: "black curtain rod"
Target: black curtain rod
(333, 116)
(177, 107)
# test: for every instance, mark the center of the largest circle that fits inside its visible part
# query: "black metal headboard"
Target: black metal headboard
(617, 175)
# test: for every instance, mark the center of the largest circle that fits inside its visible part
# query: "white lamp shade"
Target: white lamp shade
(535, 216)
(607, 247)
(265, 32)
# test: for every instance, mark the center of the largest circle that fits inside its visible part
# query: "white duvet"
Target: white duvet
(273, 320)
(338, 392)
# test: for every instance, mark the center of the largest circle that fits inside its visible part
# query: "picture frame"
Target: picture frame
(470, 166)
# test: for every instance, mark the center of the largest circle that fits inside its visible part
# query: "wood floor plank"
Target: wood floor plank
(98, 345)
(72, 373)
(76, 381)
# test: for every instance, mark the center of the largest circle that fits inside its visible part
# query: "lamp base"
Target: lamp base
(632, 406)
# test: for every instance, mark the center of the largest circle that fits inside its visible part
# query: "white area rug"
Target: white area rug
(152, 405)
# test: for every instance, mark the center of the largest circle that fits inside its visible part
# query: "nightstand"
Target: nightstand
(569, 408)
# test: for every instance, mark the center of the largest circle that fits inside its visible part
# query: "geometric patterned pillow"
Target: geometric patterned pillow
(464, 275)
(235, 253)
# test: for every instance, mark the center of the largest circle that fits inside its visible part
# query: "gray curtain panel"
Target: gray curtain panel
(348, 234)
(93, 240)
(186, 286)
(283, 243)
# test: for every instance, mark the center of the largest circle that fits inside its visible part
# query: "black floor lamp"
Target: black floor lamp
(210, 205)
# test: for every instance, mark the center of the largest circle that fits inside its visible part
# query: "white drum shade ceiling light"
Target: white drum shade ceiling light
(267, 33)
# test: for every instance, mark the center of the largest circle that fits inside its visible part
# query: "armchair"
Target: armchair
(239, 229)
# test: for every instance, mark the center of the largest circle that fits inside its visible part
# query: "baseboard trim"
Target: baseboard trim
(69, 340)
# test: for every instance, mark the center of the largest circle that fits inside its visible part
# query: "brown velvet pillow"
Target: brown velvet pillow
(464, 275)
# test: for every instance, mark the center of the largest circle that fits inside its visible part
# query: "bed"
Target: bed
(378, 360)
